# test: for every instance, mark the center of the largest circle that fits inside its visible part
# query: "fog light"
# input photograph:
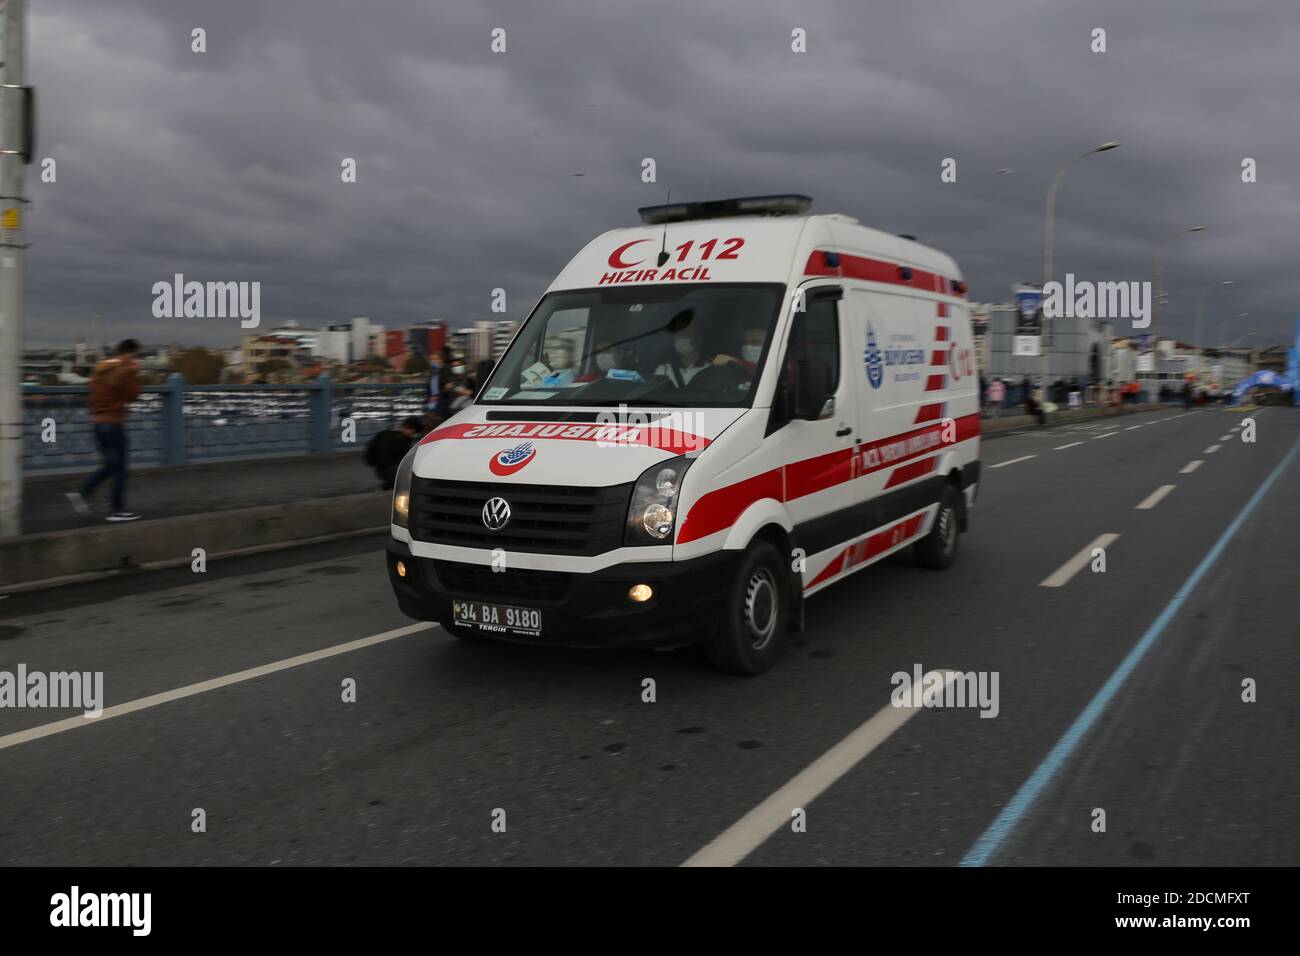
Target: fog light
(401, 569)
(640, 593)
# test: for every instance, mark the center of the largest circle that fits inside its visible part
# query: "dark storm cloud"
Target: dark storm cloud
(225, 165)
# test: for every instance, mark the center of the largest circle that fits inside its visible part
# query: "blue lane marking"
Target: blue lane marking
(991, 839)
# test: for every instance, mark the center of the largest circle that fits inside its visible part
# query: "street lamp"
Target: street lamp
(1049, 225)
(1049, 221)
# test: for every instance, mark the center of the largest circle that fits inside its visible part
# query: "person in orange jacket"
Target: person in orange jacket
(114, 385)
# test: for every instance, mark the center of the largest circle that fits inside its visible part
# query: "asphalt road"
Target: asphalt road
(1119, 691)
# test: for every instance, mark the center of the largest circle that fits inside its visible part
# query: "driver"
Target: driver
(751, 350)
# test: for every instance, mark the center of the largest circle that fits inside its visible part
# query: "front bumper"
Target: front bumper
(578, 610)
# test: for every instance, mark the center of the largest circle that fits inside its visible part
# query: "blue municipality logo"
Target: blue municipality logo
(874, 362)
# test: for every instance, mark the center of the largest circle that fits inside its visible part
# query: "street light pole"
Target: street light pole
(1049, 227)
(13, 158)
(1155, 298)
(1200, 309)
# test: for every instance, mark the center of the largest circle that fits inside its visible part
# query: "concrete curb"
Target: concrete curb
(992, 426)
(34, 561)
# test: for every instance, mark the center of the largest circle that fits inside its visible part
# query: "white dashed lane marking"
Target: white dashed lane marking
(1191, 466)
(1153, 499)
(1003, 464)
(1070, 568)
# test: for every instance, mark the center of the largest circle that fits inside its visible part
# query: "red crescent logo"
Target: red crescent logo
(616, 257)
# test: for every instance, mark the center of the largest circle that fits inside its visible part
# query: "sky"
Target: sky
(478, 170)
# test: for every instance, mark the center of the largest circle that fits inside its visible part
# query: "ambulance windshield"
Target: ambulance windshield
(699, 345)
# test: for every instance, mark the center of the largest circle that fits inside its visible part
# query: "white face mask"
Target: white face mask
(684, 345)
(604, 361)
(751, 353)
(458, 370)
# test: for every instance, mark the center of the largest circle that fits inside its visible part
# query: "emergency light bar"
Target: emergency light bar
(787, 205)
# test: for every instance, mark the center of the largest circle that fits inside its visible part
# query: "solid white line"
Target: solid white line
(1191, 466)
(1211, 450)
(1063, 447)
(1153, 499)
(202, 687)
(1077, 563)
(1107, 435)
(1003, 464)
(748, 833)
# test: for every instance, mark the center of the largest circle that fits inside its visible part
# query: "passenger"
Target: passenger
(689, 361)
(602, 360)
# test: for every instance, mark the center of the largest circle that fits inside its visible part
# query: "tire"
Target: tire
(939, 548)
(753, 632)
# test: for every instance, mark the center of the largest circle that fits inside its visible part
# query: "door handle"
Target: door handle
(843, 431)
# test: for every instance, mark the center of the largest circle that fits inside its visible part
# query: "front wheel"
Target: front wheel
(752, 633)
(939, 548)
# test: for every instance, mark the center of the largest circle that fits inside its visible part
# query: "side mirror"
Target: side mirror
(813, 397)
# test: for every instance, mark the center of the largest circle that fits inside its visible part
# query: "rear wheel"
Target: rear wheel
(939, 548)
(752, 633)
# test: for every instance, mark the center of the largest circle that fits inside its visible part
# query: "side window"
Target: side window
(815, 334)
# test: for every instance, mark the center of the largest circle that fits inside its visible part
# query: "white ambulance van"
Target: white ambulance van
(706, 420)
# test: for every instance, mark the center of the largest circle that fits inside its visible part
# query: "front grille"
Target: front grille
(544, 519)
(513, 585)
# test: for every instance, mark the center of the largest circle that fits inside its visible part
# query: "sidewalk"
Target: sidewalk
(198, 489)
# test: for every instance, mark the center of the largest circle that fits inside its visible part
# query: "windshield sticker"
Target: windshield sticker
(531, 395)
(492, 394)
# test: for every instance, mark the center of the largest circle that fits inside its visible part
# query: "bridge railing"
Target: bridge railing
(177, 423)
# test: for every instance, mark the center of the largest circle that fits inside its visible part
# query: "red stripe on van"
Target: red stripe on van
(817, 474)
(939, 359)
(935, 383)
(719, 509)
(872, 547)
(941, 333)
(647, 436)
(943, 310)
(877, 270)
(929, 413)
(913, 469)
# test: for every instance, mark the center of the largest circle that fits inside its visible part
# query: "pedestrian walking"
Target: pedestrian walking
(997, 395)
(114, 384)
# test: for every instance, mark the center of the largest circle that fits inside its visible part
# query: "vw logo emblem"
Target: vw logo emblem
(496, 514)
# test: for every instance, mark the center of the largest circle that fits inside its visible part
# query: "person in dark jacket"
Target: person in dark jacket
(450, 375)
(387, 449)
(114, 385)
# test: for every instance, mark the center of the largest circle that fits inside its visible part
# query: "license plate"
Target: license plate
(497, 618)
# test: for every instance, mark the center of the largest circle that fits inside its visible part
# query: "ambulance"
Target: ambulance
(707, 419)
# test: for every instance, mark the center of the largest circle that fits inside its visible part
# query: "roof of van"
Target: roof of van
(759, 248)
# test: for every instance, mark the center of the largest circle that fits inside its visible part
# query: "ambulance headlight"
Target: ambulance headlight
(652, 513)
(657, 521)
(402, 489)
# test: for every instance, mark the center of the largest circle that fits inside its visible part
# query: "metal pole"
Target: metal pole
(11, 272)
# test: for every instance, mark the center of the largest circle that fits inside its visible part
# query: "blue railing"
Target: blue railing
(177, 423)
